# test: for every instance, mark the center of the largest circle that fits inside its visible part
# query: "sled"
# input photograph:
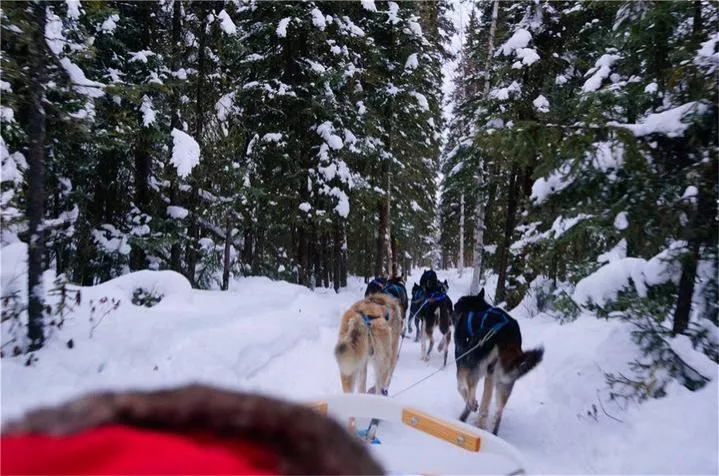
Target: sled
(414, 441)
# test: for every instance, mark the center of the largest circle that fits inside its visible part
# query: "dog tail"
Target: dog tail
(346, 348)
(530, 359)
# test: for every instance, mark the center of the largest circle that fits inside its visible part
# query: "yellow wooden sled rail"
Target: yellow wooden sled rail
(457, 433)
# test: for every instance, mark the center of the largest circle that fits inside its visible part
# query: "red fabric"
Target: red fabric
(123, 450)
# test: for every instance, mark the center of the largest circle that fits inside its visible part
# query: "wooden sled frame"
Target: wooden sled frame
(456, 433)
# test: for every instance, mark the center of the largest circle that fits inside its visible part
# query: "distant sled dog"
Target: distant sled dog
(369, 332)
(498, 356)
(393, 286)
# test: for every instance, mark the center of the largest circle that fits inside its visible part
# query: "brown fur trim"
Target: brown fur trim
(305, 442)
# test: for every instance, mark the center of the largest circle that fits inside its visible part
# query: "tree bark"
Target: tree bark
(696, 235)
(479, 225)
(512, 200)
(226, 257)
(395, 264)
(460, 258)
(381, 237)
(36, 173)
(337, 256)
(193, 229)
(175, 249)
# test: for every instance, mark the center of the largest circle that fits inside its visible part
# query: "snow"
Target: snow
(109, 25)
(690, 194)
(252, 337)
(5, 86)
(607, 156)
(305, 207)
(651, 87)
(560, 79)
(604, 284)
(503, 93)
(272, 137)
(282, 27)
(225, 106)
(520, 39)
(111, 240)
(601, 71)
(148, 114)
(369, 5)
(318, 19)
(81, 84)
(326, 131)
(226, 23)
(541, 103)
(554, 182)
(73, 9)
(6, 114)
(415, 28)
(179, 213)
(421, 100)
(13, 165)
(141, 56)
(620, 221)
(53, 32)
(185, 152)
(668, 122)
(343, 202)
(615, 254)
(517, 44)
(411, 62)
(707, 55)
(392, 9)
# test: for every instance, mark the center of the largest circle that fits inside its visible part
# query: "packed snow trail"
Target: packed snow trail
(278, 338)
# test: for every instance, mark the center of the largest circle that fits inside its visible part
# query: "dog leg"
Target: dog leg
(431, 344)
(423, 347)
(348, 383)
(486, 400)
(467, 387)
(418, 325)
(363, 378)
(504, 390)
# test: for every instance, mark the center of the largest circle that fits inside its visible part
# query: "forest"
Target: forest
(306, 141)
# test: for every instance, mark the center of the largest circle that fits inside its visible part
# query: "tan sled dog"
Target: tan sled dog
(369, 331)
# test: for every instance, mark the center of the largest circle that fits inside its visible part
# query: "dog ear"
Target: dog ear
(481, 294)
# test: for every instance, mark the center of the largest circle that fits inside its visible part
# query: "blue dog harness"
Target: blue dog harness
(495, 328)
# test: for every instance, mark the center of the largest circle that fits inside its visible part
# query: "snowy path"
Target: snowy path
(278, 338)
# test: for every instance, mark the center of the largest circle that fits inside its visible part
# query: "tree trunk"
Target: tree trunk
(512, 200)
(337, 258)
(142, 189)
(175, 250)
(343, 259)
(696, 235)
(460, 258)
(381, 238)
(479, 225)
(193, 228)
(395, 264)
(478, 248)
(35, 178)
(226, 257)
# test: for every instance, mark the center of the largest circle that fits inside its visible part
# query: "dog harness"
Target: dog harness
(495, 328)
(368, 319)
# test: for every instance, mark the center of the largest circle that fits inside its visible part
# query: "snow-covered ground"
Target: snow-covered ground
(277, 338)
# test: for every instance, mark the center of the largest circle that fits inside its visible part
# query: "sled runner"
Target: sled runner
(429, 450)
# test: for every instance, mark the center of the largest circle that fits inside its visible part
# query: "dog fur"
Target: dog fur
(500, 360)
(394, 286)
(359, 343)
(427, 315)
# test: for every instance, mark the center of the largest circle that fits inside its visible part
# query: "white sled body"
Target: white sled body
(414, 441)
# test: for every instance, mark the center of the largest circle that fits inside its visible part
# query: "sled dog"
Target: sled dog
(492, 342)
(369, 332)
(428, 310)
